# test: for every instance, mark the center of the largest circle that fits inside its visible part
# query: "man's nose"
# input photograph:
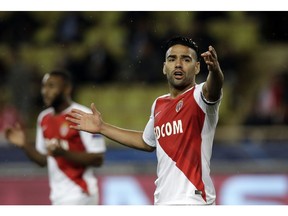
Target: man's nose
(178, 64)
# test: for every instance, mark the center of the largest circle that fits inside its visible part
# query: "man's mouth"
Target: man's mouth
(178, 75)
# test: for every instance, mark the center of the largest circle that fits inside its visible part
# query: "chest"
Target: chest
(56, 126)
(183, 108)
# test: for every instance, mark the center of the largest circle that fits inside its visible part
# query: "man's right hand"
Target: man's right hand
(16, 135)
(89, 122)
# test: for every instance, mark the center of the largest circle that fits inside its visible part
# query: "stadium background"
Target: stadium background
(116, 60)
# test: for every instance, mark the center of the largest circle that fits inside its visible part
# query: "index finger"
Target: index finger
(77, 111)
(212, 51)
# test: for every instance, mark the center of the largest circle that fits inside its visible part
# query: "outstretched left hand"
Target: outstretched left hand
(210, 58)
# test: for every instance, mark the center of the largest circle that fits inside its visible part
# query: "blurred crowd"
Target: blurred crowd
(124, 47)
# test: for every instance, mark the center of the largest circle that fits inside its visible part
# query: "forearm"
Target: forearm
(214, 85)
(34, 155)
(84, 158)
(129, 138)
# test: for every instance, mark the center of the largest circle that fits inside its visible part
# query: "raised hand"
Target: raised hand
(213, 86)
(16, 136)
(86, 121)
(210, 58)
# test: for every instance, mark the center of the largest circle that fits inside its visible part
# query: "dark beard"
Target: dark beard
(58, 101)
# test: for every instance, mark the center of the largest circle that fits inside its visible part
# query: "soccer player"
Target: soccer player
(181, 126)
(70, 155)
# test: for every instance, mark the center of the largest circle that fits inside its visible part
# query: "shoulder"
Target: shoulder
(156, 100)
(75, 105)
(162, 97)
(45, 112)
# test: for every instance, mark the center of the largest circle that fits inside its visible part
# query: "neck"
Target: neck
(175, 92)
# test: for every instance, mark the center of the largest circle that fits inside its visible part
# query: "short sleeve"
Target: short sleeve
(40, 141)
(148, 134)
(209, 107)
(93, 142)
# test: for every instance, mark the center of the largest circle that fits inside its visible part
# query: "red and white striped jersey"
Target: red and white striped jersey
(182, 130)
(68, 182)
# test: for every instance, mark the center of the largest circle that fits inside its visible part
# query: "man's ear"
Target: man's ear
(197, 68)
(164, 72)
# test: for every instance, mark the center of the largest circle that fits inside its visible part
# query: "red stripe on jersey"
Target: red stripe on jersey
(184, 148)
(56, 127)
(73, 172)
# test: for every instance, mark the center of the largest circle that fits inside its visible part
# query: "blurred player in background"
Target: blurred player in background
(70, 155)
(181, 127)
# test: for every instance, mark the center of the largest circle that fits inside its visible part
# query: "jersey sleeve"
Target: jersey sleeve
(40, 141)
(148, 134)
(93, 142)
(209, 107)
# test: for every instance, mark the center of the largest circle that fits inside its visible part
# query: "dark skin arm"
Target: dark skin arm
(17, 137)
(34, 155)
(79, 158)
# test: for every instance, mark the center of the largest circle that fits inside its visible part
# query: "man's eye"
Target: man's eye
(50, 86)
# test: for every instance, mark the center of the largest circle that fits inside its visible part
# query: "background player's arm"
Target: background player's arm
(93, 123)
(34, 155)
(17, 137)
(213, 86)
(79, 158)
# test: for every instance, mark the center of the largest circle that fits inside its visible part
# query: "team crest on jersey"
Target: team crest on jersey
(64, 129)
(179, 105)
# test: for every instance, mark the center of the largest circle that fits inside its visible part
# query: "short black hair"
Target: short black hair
(66, 75)
(183, 41)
